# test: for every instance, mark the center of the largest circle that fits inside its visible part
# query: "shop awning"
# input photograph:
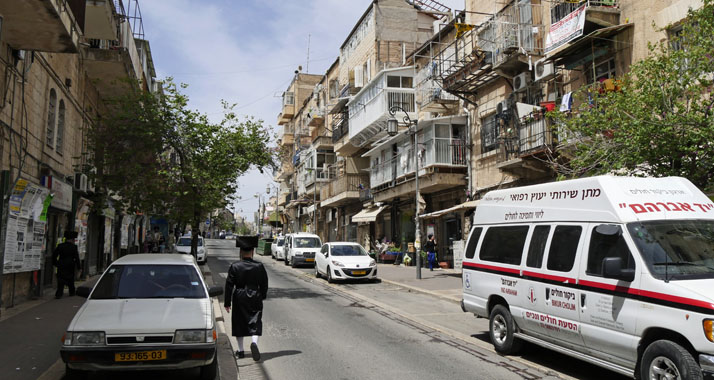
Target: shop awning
(573, 48)
(367, 215)
(463, 206)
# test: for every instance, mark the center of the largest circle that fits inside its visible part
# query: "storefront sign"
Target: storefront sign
(566, 30)
(61, 193)
(25, 237)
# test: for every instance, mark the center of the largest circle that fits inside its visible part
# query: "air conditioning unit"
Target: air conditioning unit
(502, 106)
(521, 81)
(544, 70)
(80, 181)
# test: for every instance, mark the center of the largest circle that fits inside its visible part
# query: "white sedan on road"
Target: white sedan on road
(183, 245)
(344, 261)
(147, 311)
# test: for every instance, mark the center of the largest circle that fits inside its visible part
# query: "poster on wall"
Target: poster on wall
(458, 249)
(124, 238)
(25, 235)
(80, 225)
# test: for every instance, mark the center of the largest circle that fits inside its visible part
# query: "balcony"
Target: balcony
(288, 110)
(516, 32)
(369, 109)
(311, 176)
(466, 64)
(343, 190)
(524, 155)
(322, 143)
(430, 97)
(316, 117)
(114, 64)
(41, 25)
(286, 135)
(340, 126)
(100, 20)
(570, 21)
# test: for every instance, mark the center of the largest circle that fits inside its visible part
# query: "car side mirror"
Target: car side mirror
(215, 291)
(83, 291)
(613, 267)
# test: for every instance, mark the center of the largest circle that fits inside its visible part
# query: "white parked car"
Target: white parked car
(183, 245)
(300, 248)
(147, 311)
(344, 261)
(277, 248)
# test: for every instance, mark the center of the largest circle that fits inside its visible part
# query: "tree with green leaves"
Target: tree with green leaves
(661, 120)
(163, 158)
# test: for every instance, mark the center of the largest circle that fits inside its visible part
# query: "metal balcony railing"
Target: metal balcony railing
(340, 126)
(430, 92)
(343, 184)
(560, 10)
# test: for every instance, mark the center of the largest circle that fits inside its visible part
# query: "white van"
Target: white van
(300, 249)
(616, 271)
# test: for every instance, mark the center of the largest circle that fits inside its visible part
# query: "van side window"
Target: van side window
(610, 245)
(504, 244)
(473, 242)
(537, 247)
(563, 248)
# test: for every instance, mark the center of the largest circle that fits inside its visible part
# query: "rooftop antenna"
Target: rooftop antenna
(307, 66)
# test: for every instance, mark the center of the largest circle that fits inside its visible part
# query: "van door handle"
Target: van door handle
(582, 301)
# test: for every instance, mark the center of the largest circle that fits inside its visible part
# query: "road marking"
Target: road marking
(224, 274)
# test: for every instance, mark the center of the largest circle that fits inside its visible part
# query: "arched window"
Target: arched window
(51, 118)
(60, 127)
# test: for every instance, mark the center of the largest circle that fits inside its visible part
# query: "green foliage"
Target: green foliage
(661, 123)
(163, 158)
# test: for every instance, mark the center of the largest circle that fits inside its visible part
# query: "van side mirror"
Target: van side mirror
(83, 291)
(613, 267)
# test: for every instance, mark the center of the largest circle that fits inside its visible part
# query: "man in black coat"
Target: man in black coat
(246, 288)
(66, 258)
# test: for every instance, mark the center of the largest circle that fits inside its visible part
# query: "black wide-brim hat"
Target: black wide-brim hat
(70, 234)
(247, 241)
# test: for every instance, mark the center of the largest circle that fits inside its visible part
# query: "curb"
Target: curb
(422, 290)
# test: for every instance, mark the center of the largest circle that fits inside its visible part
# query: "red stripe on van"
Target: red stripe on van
(676, 299)
(615, 288)
(567, 280)
(493, 268)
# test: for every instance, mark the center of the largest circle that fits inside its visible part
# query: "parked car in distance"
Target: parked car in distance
(344, 261)
(147, 311)
(276, 249)
(300, 248)
(183, 245)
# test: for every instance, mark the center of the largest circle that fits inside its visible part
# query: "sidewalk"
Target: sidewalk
(442, 283)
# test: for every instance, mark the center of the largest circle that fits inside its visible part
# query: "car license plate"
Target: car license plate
(309, 260)
(358, 272)
(140, 356)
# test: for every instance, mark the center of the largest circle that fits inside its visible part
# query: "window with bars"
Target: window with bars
(489, 133)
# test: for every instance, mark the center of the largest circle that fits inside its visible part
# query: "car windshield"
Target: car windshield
(186, 242)
(280, 242)
(306, 242)
(348, 250)
(149, 281)
(676, 249)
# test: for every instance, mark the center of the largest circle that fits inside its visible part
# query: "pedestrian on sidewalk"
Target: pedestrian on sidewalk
(246, 288)
(66, 258)
(430, 248)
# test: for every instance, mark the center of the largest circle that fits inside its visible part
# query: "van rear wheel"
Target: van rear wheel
(502, 330)
(664, 359)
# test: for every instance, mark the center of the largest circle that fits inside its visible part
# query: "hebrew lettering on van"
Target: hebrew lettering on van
(668, 206)
(519, 197)
(552, 323)
(591, 193)
(538, 196)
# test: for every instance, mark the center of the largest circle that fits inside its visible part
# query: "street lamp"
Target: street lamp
(392, 129)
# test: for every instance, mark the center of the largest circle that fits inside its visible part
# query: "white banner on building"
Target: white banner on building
(566, 30)
(25, 236)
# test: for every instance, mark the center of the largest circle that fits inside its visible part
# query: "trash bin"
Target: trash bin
(264, 247)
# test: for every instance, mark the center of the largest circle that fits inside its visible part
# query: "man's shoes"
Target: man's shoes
(240, 354)
(254, 351)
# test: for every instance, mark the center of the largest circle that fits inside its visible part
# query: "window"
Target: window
(610, 245)
(399, 82)
(489, 133)
(334, 89)
(307, 242)
(537, 247)
(504, 244)
(51, 118)
(603, 70)
(348, 250)
(288, 99)
(473, 242)
(563, 248)
(60, 127)
(675, 38)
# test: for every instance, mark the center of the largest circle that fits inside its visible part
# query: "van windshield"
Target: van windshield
(676, 249)
(306, 242)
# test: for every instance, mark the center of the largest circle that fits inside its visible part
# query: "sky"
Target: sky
(245, 52)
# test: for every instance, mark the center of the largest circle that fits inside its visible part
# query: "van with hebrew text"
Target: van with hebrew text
(616, 271)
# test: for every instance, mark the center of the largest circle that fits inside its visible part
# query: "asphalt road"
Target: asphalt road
(312, 330)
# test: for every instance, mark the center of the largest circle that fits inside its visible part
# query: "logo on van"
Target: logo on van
(467, 281)
(531, 295)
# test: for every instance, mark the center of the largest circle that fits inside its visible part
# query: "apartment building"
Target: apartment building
(61, 60)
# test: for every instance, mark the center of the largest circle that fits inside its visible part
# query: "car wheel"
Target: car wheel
(74, 374)
(210, 371)
(501, 330)
(664, 359)
(317, 272)
(329, 275)
(292, 261)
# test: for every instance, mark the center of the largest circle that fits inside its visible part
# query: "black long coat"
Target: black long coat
(66, 258)
(246, 288)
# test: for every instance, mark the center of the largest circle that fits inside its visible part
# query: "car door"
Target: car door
(607, 315)
(321, 258)
(535, 288)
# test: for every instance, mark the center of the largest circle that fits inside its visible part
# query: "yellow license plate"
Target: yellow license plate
(358, 272)
(140, 356)
(309, 260)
